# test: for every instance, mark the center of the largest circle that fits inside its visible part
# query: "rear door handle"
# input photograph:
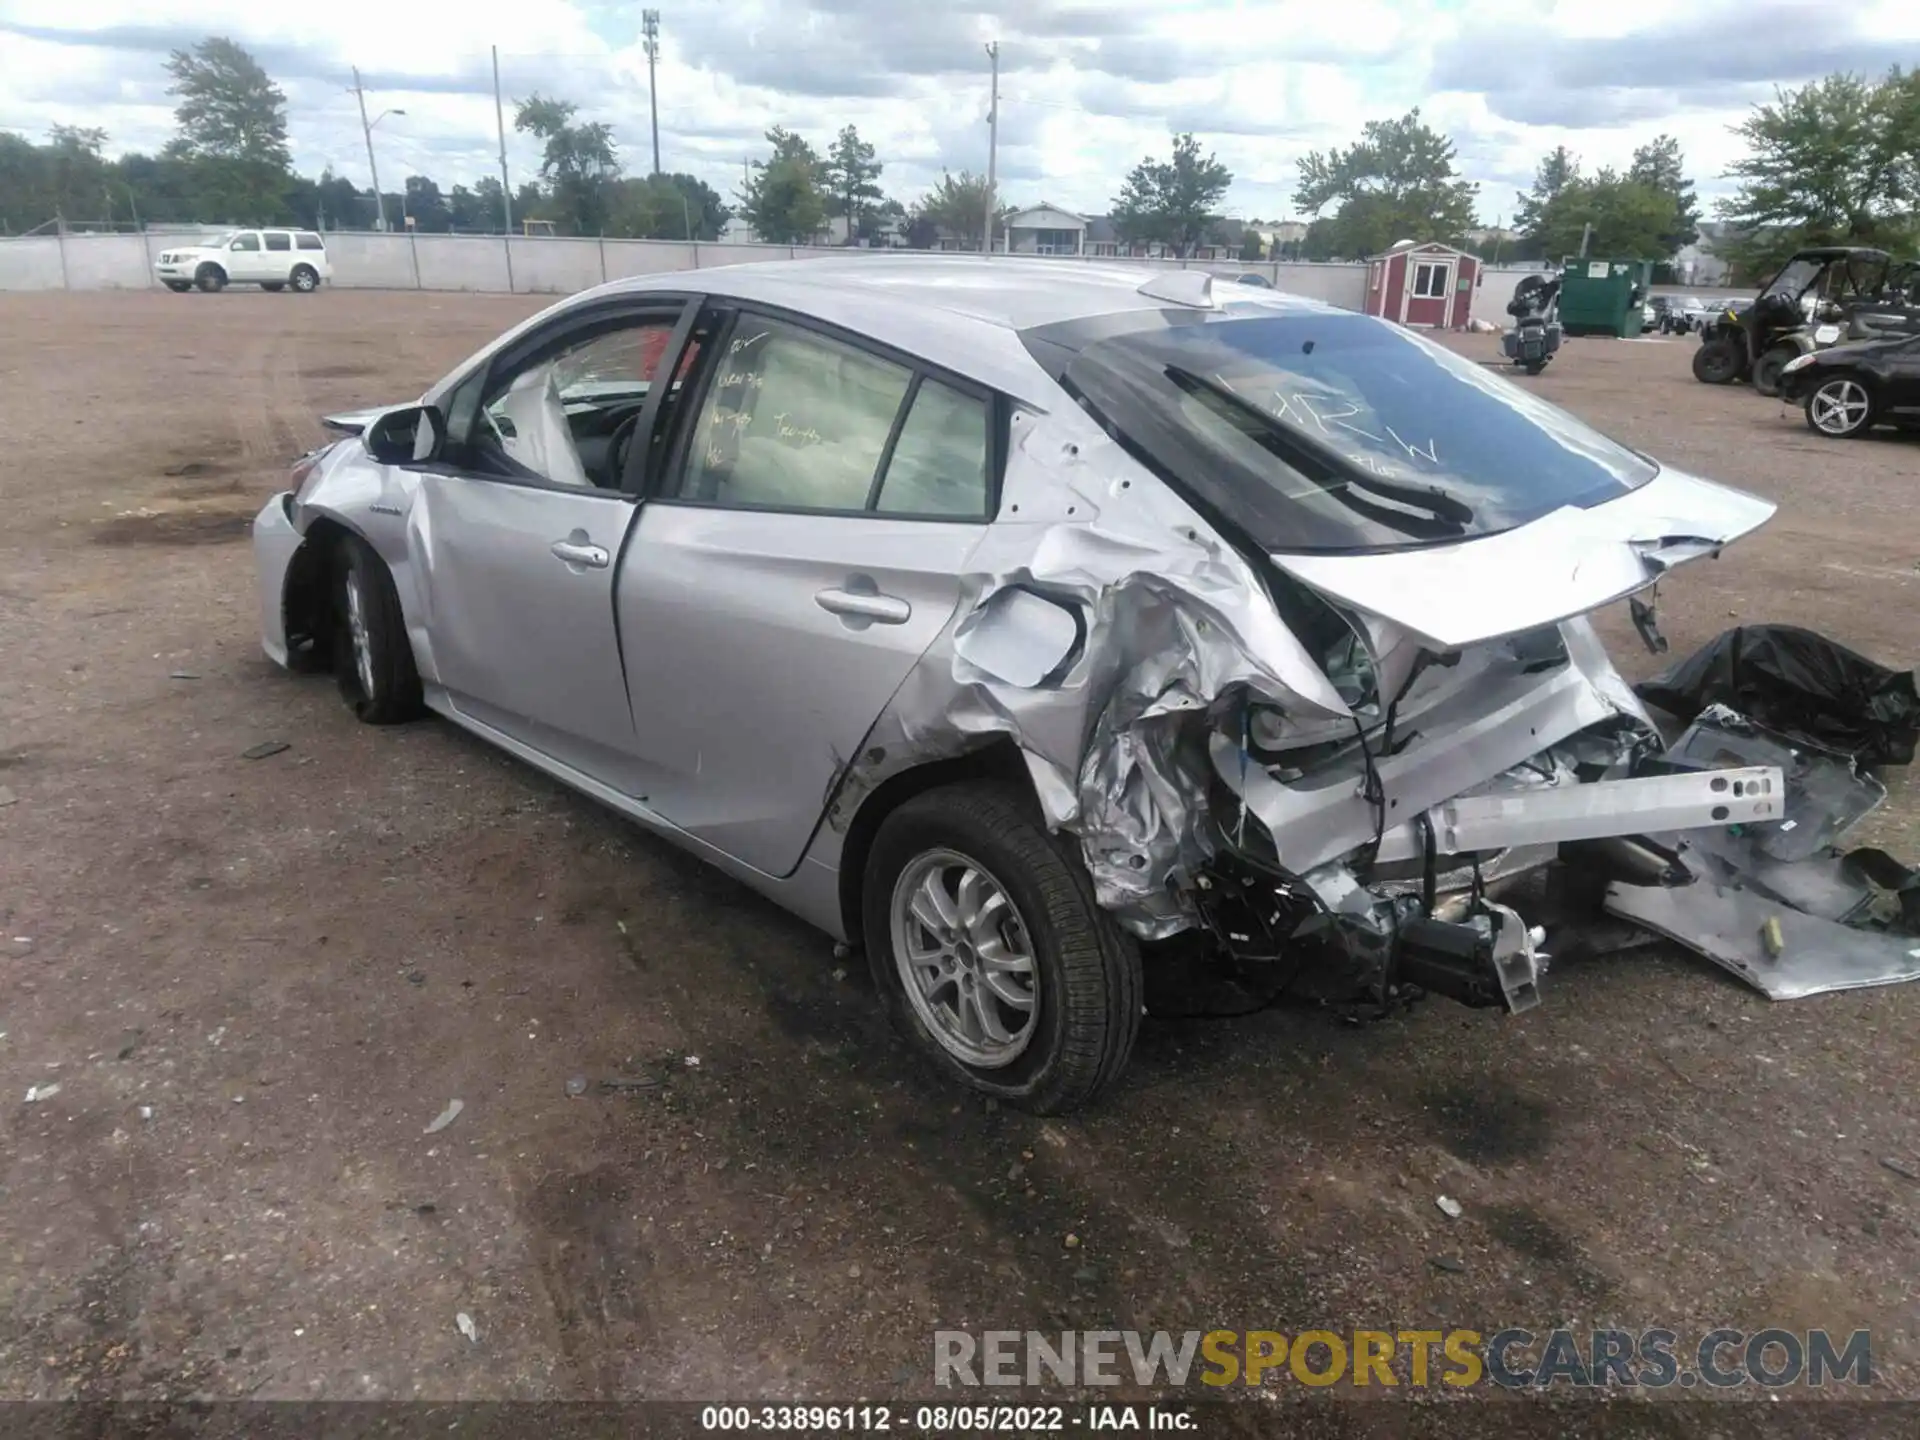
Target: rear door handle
(878, 609)
(590, 557)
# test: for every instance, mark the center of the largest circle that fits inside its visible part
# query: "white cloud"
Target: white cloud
(1087, 88)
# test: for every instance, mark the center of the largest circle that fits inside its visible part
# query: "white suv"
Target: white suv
(271, 259)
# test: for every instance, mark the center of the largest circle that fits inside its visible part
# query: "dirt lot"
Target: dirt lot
(256, 982)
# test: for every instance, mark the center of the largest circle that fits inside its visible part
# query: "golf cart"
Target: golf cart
(1820, 297)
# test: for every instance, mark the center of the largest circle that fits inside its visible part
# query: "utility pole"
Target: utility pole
(366, 128)
(379, 205)
(650, 27)
(500, 124)
(993, 137)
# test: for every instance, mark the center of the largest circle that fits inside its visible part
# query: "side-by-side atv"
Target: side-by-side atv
(1820, 297)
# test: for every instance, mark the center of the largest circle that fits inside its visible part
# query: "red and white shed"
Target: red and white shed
(1428, 286)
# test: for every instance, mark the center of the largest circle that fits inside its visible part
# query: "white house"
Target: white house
(1044, 229)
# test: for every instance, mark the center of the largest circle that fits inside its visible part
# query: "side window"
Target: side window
(939, 461)
(248, 241)
(568, 418)
(279, 240)
(792, 421)
(309, 241)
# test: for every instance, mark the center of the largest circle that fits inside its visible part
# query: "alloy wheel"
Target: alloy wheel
(1838, 407)
(965, 958)
(357, 630)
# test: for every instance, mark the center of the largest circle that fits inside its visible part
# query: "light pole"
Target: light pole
(366, 127)
(650, 27)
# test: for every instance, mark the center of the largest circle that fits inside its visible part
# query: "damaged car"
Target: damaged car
(1015, 623)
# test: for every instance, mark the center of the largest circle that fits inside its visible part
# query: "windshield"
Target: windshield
(1334, 431)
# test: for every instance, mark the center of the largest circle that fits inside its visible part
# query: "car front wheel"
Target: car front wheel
(990, 952)
(1716, 362)
(373, 659)
(1841, 408)
(210, 278)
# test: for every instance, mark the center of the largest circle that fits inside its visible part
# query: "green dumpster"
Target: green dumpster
(1604, 297)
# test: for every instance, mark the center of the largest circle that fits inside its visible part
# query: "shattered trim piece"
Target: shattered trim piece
(1733, 928)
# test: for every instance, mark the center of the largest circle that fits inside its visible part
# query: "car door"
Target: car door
(276, 255)
(801, 550)
(518, 541)
(1900, 379)
(244, 257)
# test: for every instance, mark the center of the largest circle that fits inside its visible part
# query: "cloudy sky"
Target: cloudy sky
(1087, 89)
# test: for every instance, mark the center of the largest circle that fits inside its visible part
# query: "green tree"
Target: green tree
(426, 206)
(1251, 248)
(1837, 161)
(1171, 201)
(232, 136)
(956, 206)
(849, 174)
(1631, 218)
(1559, 169)
(783, 199)
(1659, 166)
(668, 207)
(1397, 182)
(229, 108)
(579, 163)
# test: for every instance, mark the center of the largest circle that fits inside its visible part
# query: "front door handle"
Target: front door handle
(858, 605)
(591, 557)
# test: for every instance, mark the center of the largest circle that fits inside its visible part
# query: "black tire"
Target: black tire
(210, 278)
(272, 286)
(1845, 406)
(1716, 362)
(1534, 367)
(1766, 370)
(1087, 980)
(381, 686)
(179, 287)
(304, 279)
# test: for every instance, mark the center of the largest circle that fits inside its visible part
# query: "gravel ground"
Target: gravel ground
(257, 981)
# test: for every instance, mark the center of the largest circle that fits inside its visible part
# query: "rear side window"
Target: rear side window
(792, 421)
(939, 461)
(279, 240)
(309, 241)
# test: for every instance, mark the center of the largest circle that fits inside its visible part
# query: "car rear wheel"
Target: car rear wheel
(989, 950)
(1841, 408)
(305, 279)
(373, 659)
(1766, 370)
(210, 278)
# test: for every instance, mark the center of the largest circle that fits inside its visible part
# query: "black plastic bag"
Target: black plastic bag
(1801, 684)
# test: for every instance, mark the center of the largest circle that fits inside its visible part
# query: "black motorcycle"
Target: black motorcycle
(1535, 335)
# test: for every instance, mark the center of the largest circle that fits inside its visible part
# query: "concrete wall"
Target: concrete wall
(34, 262)
(544, 265)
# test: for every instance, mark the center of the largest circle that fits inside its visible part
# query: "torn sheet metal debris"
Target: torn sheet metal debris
(1730, 927)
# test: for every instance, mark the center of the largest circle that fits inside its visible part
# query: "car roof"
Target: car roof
(963, 312)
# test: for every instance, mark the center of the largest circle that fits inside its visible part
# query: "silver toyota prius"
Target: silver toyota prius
(1023, 623)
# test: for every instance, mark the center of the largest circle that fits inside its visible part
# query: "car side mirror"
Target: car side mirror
(410, 435)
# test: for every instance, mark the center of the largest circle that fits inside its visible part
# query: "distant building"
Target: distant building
(1703, 262)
